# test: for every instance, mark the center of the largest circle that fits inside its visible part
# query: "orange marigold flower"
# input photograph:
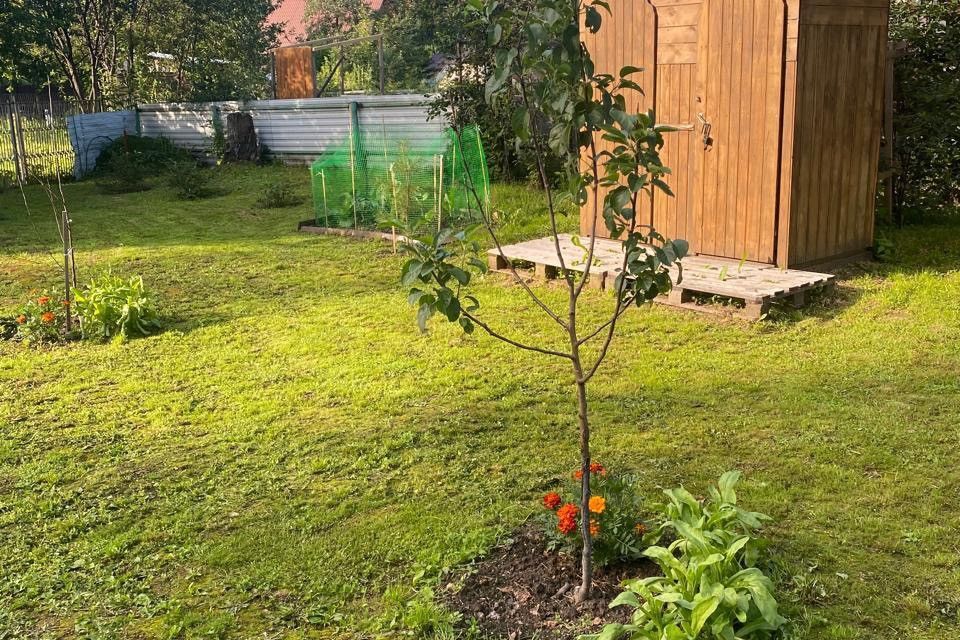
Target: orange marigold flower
(47, 317)
(596, 467)
(594, 527)
(568, 510)
(21, 319)
(552, 501)
(43, 299)
(640, 528)
(66, 303)
(578, 475)
(598, 504)
(566, 525)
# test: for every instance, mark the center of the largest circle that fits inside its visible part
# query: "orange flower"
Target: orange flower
(594, 527)
(598, 504)
(568, 510)
(567, 518)
(566, 526)
(21, 319)
(552, 500)
(595, 468)
(640, 528)
(47, 317)
(43, 300)
(66, 303)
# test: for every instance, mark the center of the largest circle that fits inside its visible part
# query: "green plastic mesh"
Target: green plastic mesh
(377, 179)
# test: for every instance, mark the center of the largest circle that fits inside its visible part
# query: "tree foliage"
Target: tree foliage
(110, 53)
(927, 120)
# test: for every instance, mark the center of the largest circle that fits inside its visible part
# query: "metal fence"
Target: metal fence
(294, 131)
(33, 138)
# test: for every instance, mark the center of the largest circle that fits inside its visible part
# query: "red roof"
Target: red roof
(295, 24)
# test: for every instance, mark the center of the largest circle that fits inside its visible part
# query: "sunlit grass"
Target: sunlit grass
(290, 459)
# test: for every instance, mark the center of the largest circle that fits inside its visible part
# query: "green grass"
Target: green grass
(290, 459)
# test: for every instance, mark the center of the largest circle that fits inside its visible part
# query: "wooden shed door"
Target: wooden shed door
(739, 96)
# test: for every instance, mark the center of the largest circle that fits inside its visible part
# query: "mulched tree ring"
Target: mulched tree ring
(521, 591)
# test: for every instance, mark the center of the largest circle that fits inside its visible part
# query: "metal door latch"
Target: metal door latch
(706, 128)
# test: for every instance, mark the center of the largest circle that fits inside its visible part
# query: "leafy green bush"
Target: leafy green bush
(616, 520)
(278, 196)
(111, 307)
(189, 181)
(41, 320)
(127, 163)
(120, 175)
(147, 152)
(927, 117)
(710, 587)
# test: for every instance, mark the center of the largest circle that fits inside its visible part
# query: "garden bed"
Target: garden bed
(521, 590)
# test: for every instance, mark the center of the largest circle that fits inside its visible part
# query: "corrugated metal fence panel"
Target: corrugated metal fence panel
(296, 131)
(90, 133)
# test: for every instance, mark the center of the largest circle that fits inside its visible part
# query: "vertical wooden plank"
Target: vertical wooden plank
(736, 133)
(787, 177)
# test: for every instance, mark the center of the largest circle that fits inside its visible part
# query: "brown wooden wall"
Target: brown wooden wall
(627, 37)
(839, 108)
(294, 72)
(790, 178)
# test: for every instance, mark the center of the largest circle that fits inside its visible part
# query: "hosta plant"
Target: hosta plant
(616, 518)
(709, 588)
(114, 307)
(41, 320)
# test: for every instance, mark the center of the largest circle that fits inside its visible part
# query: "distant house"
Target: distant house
(295, 23)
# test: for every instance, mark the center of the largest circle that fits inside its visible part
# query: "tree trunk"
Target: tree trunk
(586, 555)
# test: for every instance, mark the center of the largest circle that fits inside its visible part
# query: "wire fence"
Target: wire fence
(34, 142)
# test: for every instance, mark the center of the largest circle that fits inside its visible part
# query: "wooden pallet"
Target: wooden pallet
(757, 286)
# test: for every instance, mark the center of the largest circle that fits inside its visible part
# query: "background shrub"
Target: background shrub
(277, 196)
(189, 180)
(112, 307)
(927, 119)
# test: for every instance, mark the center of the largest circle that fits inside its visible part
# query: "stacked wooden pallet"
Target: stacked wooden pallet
(756, 286)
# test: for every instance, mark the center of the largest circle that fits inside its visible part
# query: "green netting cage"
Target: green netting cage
(377, 179)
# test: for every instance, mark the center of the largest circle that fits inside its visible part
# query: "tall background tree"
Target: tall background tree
(110, 53)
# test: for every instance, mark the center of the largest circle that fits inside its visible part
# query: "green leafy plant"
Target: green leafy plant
(41, 320)
(114, 307)
(616, 519)
(189, 181)
(710, 587)
(278, 195)
(565, 109)
(122, 174)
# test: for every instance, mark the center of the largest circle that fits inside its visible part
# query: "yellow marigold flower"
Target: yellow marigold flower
(598, 504)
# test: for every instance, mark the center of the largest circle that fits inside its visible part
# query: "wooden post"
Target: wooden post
(380, 62)
(342, 72)
(13, 141)
(440, 197)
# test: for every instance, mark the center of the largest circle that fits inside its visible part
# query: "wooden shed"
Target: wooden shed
(778, 106)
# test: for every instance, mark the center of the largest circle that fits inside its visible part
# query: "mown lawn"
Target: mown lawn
(290, 459)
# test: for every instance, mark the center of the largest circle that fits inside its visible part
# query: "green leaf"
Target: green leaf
(593, 19)
(410, 272)
(521, 123)
(629, 70)
(423, 315)
(702, 610)
(625, 598)
(459, 274)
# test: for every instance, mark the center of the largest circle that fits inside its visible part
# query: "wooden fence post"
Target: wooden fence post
(15, 140)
